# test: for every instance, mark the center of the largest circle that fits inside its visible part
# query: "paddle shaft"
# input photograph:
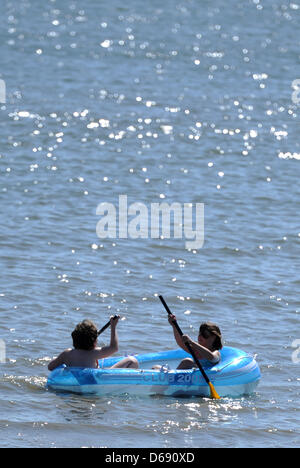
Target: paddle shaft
(190, 349)
(106, 326)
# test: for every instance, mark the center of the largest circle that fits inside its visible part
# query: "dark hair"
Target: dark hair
(85, 335)
(213, 330)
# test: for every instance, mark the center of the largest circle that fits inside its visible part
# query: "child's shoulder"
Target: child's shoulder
(66, 352)
(217, 357)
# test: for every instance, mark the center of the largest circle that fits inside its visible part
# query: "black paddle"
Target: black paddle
(213, 392)
(107, 325)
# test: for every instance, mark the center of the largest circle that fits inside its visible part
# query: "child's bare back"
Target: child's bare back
(81, 358)
(86, 353)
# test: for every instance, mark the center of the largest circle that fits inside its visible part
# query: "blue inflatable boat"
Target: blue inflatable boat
(236, 374)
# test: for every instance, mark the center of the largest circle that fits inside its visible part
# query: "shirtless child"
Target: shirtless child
(86, 353)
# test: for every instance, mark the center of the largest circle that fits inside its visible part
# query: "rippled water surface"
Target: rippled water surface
(174, 101)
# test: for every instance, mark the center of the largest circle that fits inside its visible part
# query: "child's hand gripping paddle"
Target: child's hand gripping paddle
(213, 393)
(107, 325)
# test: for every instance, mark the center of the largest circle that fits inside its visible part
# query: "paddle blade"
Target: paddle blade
(213, 392)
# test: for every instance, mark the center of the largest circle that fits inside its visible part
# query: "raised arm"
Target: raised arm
(179, 341)
(200, 351)
(113, 347)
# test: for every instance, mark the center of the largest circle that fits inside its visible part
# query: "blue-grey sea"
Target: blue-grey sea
(186, 101)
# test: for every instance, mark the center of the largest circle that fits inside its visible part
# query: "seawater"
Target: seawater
(174, 101)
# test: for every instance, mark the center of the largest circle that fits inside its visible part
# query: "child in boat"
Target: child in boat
(208, 346)
(86, 353)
